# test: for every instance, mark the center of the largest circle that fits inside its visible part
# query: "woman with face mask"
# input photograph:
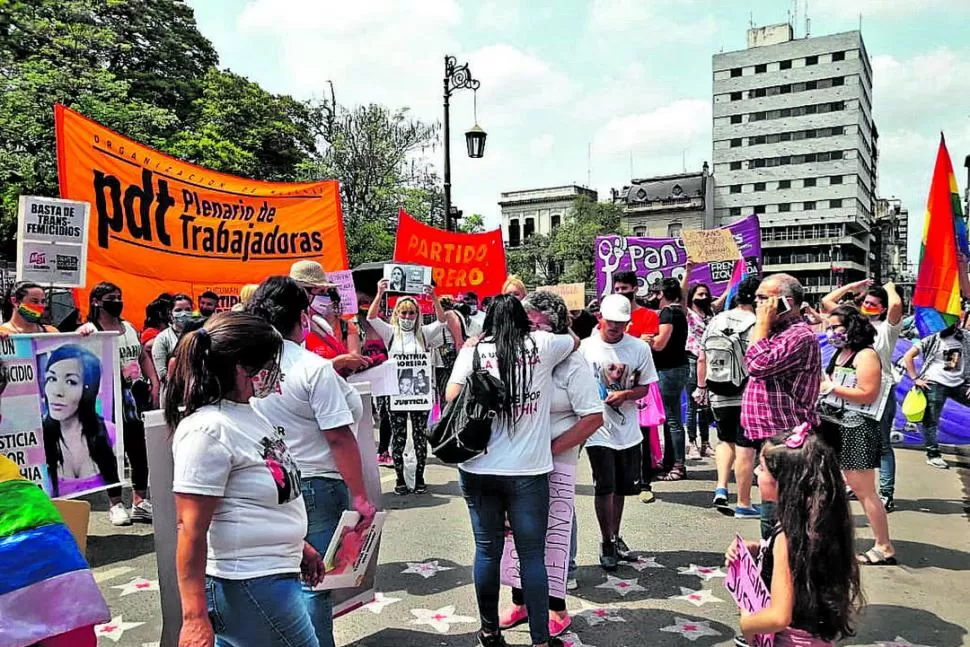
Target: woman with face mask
(23, 309)
(373, 348)
(699, 313)
(233, 470)
(163, 347)
(854, 376)
(104, 315)
(405, 334)
(340, 338)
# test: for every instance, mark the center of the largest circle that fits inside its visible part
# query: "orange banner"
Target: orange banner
(162, 225)
(459, 262)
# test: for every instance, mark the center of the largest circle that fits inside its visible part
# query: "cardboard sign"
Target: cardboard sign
(351, 551)
(410, 279)
(574, 294)
(745, 585)
(42, 411)
(708, 245)
(52, 241)
(344, 280)
(159, 224)
(415, 382)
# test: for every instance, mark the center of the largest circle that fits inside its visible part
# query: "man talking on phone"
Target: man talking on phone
(784, 368)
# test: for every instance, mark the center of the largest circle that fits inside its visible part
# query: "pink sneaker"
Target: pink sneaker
(384, 460)
(558, 623)
(513, 616)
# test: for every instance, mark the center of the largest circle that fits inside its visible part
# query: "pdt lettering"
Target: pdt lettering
(123, 212)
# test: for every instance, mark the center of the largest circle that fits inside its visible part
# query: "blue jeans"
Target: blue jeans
(936, 397)
(672, 384)
(265, 611)
(698, 417)
(887, 465)
(325, 500)
(524, 500)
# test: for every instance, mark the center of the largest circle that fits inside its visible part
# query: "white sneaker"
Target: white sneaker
(142, 511)
(937, 462)
(119, 515)
(693, 453)
(572, 584)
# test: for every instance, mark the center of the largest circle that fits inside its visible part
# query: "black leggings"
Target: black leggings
(555, 604)
(384, 424)
(399, 438)
(137, 453)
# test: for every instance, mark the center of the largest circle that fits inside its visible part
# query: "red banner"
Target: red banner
(459, 262)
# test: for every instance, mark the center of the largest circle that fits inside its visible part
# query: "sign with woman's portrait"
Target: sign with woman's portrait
(61, 411)
(411, 279)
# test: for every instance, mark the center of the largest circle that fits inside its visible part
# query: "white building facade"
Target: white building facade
(537, 211)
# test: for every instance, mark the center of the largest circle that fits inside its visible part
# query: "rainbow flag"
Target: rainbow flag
(937, 294)
(740, 273)
(46, 588)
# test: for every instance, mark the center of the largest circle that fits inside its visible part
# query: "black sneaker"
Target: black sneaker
(608, 558)
(740, 641)
(493, 640)
(420, 488)
(887, 502)
(402, 490)
(555, 641)
(623, 551)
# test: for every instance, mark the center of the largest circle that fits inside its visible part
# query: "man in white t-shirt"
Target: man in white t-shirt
(884, 308)
(623, 366)
(476, 317)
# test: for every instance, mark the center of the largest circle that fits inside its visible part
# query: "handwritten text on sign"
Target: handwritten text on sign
(707, 245)
(562, 495)
(745, 585)
(574, 294)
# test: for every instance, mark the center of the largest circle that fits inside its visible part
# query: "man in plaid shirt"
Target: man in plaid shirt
(784, 366)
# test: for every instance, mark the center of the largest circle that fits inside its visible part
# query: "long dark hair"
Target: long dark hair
(98, 292)
(859, 331)
(708, 310)
(93, 429)
(813, 512)
(19, 292)
(206, 360)
(279, 300)
(158, 313)
(507, 326)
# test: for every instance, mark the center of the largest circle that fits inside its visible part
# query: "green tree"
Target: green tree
(573, 243)
(531, 261)
(473, 224)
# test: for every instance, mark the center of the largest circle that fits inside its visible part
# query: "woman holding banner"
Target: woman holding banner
(404, 335)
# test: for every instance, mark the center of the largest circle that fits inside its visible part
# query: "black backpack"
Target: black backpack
(465, 426)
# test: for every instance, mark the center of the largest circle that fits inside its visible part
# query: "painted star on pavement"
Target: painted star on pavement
(137, 585)
(441, 620)
(691, 629)
(644, 563)
(899, 642)
(114, 629)
(704, 572)
(620, 586)
(595, 615)
(697, 598)
(380, 601)
(569, 639)
(425, 569)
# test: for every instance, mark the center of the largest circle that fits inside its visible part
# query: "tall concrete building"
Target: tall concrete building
(795, 143)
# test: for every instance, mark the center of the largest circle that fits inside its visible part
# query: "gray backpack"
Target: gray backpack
(724, 353)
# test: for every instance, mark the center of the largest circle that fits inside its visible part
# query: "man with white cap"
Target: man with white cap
(623, 366)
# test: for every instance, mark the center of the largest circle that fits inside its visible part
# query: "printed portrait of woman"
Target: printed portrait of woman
(614, 376)
(398, 283)
(78, 442)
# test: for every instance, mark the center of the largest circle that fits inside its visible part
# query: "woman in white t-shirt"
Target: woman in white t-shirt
(241, 517)
(511, 480)
(405, 335)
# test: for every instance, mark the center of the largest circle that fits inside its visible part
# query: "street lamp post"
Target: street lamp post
(459, 77)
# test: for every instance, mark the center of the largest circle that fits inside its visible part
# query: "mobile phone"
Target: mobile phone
(783, 305)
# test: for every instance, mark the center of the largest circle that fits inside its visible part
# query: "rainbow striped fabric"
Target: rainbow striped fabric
(46, 588)
(937, 294)
(740, 273)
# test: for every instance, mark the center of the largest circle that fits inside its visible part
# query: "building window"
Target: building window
(759, 209)
(529, 229)
(760, 69)
(784, 184)
(809, 206)
(811, 60)
(785, 65)
(514, 232)
(735, 211)
(735, 119)
(784, 207)
(735, 188)
(735, 96)
(735, 142)
(838, 56)
(759, 186)
(810, 182)
(639, 231)
(835, 179)
(735, 166)
(835, 204)
(736, 72)
(554, 222)
(674, 230)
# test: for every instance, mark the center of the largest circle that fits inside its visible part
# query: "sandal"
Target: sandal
(676, 473)
(875, 557)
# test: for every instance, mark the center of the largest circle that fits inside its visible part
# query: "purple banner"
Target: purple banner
(658, 258)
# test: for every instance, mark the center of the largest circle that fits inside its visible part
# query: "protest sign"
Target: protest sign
(382, 379)
(574, 294)
(657, 258)
(411, 279)
(562, 500)
(351, 551)
(61, 412)
(414, 380)
(706, 245)
(745, 585)
(228, 294)
(52, 241)
(162, 225)
(459, 262)
(344, 280)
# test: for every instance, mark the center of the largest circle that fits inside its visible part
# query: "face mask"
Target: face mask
(701, 301)
(836, 339)
(266, 381)
(206, 312)
(30, 312)
(407, 325)
(629, 295)
(472, 308)
(870, 311)
(181, 317)
(305, 324)
(322, 305)
(653, 304)
(113, 308)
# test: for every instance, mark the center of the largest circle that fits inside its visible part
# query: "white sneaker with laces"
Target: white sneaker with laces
(119, 515)
(142, 511)
(938, 463)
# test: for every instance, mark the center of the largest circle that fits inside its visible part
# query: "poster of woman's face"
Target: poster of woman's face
(407, 278)
(77, 414)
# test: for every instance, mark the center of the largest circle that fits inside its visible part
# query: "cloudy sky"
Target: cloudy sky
(600, 90)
